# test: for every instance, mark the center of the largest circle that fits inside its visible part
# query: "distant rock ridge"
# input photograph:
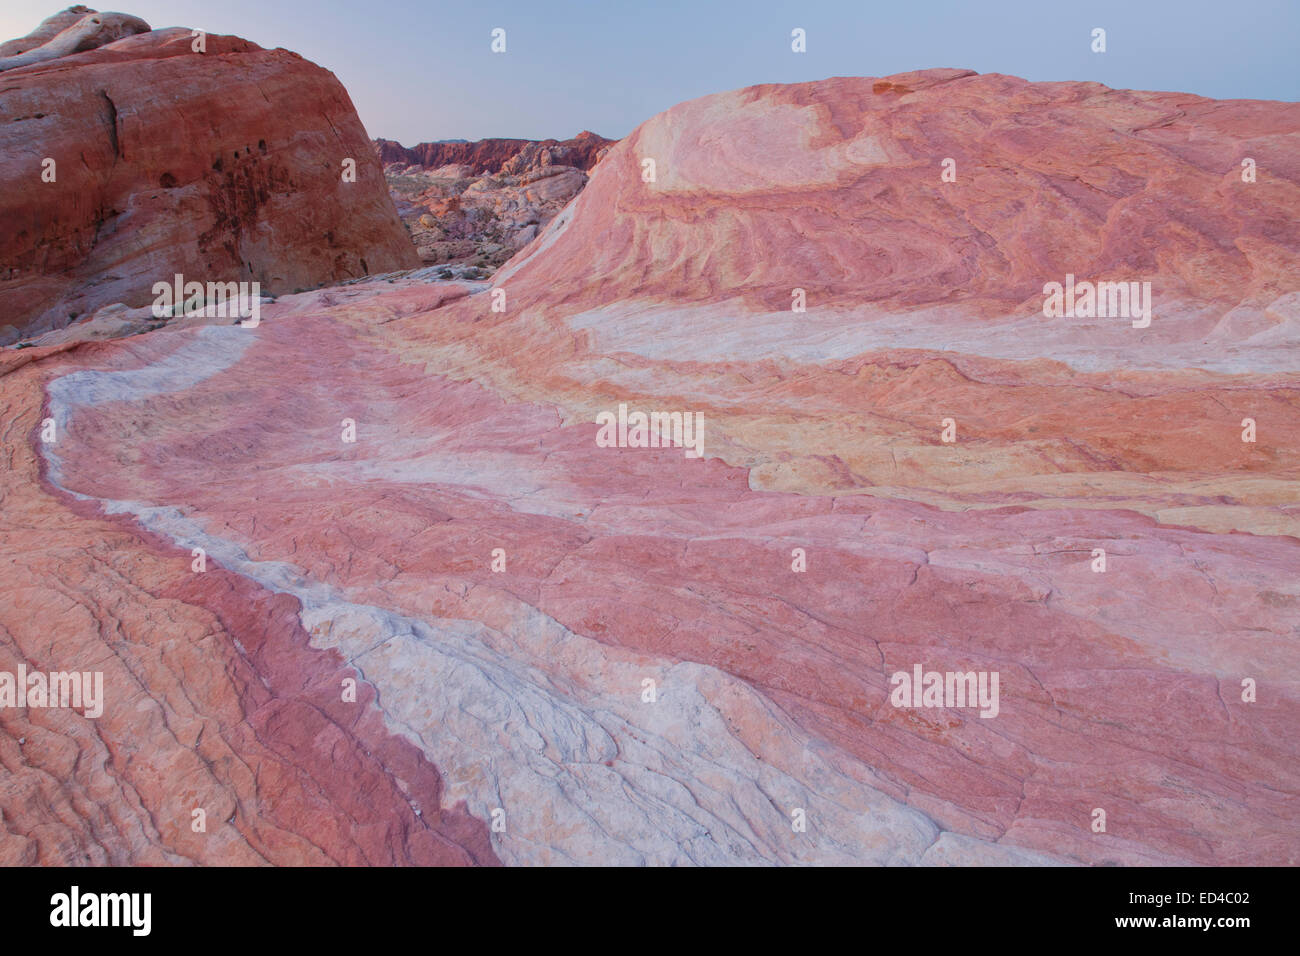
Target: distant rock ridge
(498, 155)
(471, 206)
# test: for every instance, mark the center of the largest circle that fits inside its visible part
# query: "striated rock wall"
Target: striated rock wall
(837, 187)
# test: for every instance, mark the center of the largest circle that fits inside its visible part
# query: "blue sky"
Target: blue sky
(422, 70)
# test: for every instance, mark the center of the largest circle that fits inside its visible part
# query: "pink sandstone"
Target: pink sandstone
(524, 686)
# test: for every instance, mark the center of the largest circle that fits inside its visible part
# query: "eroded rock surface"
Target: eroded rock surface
(504, 586)
(142, 158)
(73, 30)
(471, 206)
(509, 156)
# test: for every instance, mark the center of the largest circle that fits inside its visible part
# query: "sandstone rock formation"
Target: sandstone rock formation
(142, 158)
(72, 31)
(481, 222)
(475, 205)
(629, 655)
(498, 155)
